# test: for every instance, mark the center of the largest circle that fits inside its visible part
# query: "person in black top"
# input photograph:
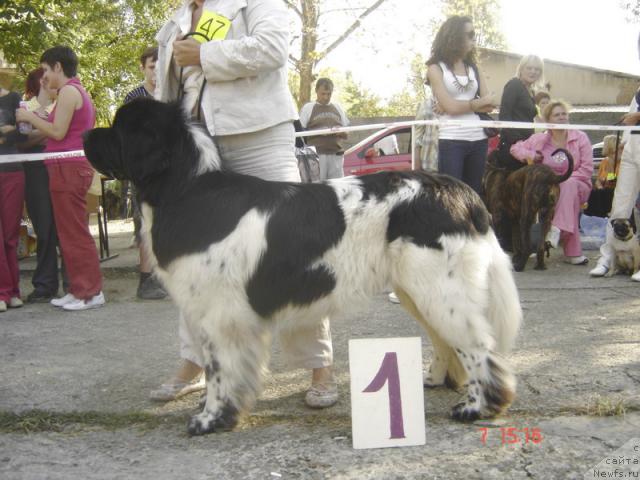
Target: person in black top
(149, 288)
(518, 105)
(45, 279)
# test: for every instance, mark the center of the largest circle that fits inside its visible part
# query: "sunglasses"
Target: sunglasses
(471, 35)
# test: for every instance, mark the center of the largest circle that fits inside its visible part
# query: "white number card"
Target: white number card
(387, 396)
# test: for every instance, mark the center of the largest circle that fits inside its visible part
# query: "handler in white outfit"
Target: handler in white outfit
(627, 189)
(248, 109)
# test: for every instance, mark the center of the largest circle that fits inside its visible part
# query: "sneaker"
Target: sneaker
(581, 260)
(599, 271)
(3, 306)
(321, 395)
(553, 237)
(393, 298)
(636, 276)
(15, 302)
(77, 305)
(174, 390)
(39, 297)
(62, 301)
(150, 289)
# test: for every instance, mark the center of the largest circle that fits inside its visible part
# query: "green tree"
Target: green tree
(107, 36)
(485, 15)
(632, 8)
(359, 101)
(310, 14)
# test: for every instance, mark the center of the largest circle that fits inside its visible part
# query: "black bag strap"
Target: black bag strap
(204, 80)
(474, 67)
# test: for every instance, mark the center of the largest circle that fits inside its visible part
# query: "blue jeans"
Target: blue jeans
(463, 160)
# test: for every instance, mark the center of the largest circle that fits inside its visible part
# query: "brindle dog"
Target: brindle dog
(520, 196)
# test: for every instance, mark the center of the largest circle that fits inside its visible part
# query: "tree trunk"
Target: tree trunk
(308, 52)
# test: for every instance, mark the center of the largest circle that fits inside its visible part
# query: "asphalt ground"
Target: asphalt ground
(74, 392)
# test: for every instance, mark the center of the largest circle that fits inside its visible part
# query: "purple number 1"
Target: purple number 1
(388, 373)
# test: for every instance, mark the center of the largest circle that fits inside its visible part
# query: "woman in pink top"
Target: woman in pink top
(575, 191)
(70, 178)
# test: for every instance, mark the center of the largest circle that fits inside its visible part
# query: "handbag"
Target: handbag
(488, 131)
(308, 163)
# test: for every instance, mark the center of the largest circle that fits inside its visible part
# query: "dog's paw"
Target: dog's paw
(208, 422)
(465, 412)
(201, 424)
(540, 266)
(430, 382)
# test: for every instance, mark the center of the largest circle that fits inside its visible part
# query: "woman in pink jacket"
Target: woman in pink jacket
(575, 191)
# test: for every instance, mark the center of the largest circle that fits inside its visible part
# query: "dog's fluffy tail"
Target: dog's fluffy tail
(504, 312)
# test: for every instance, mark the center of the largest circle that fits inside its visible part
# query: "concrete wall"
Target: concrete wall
(577, 84)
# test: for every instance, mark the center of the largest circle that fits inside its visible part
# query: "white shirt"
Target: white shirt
(246, 73)
(460, 133)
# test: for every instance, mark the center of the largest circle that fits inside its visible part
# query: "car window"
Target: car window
(393, 144)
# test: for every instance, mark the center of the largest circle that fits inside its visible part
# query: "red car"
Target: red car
(387, 149)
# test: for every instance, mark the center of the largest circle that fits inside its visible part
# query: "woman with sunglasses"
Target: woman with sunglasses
(460, 90)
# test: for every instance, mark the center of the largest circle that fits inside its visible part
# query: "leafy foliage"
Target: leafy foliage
(485, 15)
(107, 35)
(632, 8)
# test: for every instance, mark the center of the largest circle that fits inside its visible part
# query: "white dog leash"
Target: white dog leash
(34, 157)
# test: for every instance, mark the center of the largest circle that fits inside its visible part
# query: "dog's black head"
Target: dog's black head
(148, 143)
(622, 229)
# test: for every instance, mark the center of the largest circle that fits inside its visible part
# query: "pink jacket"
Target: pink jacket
(578, 145)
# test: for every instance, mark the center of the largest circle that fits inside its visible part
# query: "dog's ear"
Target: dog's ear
(101, 149)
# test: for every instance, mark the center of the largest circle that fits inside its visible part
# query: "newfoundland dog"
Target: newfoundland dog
(239, 254)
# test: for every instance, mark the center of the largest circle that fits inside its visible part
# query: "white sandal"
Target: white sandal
(321, 395)
(172, 391)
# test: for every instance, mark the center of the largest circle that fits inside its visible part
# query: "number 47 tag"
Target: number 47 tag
(387, 396)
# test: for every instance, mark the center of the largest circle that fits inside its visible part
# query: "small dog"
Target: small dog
(626, 246)
(529, 191)
(239, 254)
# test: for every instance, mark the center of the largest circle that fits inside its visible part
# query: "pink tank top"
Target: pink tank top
(81, 121)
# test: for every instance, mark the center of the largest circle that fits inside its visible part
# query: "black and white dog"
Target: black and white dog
(239, 254)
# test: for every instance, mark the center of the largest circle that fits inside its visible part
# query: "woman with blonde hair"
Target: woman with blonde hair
(574, 192)
(518, 105)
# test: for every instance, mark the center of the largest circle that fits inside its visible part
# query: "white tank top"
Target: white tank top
(453, 89)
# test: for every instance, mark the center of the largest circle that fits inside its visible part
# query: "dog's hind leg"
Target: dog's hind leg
(471, 302)
(445, 368)
(235, 357)
(491, 386)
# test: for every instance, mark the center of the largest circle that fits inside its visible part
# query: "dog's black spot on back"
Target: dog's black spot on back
(208, 213)
(444, 206)
(299, 232)
(304, 222)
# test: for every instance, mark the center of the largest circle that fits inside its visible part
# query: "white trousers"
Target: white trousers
(331, 166)
(625, 194)
(268, 154)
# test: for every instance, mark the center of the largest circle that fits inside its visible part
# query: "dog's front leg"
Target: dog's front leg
(613, 270)
(235, 358)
